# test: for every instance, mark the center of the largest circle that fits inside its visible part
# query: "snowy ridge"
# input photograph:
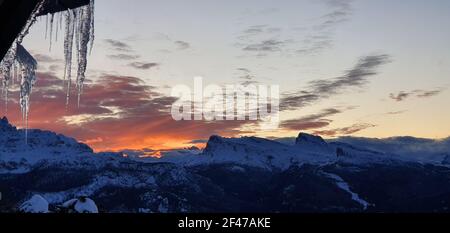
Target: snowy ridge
(312, 175)
(124, 181)
(36, 205)
(44, 147)
(19, 156)
(269, 154)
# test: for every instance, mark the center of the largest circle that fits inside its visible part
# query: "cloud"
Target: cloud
(246, 77)
(396, 112)
(356, 77)
(182, 45)
(265, 46)
(256, 31)
(426, 94)
(313, 121)
(404, 95)
(245, 70)
(116, 112)
(400, 96)
(118, 45)
(344, 131)
(198, 141)
(54, 68)
(260, 40)
(42, 58)
(122, 56)
(143, 65)
(321, 34)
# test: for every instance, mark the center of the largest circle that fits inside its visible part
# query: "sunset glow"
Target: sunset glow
(343, 70)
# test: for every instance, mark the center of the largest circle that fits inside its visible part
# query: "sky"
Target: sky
(361, 68)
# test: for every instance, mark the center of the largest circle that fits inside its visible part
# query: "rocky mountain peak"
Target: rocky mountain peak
(308, 138)
(5, 125)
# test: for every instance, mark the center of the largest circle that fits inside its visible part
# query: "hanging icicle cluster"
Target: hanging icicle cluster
(79, 29)
(18, 64)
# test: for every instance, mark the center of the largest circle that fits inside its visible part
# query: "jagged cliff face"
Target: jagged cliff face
(231, 175)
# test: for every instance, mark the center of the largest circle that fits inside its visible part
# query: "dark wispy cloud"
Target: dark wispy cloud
(245, 77)
(356, 77)
(245, 74)
(314, 121)
(260, 40)
(243, 70)
(54, 68)
(426, 94)
(122, 56)
(125, 51)
(42, 58)
(198, 141)
(265, 46)
(256, 31)
(404, 95)
(345, 130)
(118, 45)
(182, 45)
(321, 35)
(399, 96)
(396, 112)
(143, 65)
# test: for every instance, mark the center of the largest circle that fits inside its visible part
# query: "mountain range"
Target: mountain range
(248, 174)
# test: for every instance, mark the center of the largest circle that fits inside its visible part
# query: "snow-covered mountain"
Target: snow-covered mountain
(230, 175)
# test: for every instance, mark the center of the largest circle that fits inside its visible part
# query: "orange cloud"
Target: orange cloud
(115, 113)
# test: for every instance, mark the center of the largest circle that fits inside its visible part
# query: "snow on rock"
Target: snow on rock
(100, 182)
(252, 151)
(18, 156)
(82, 205)
(346, 187)
(37, 204)
(407, 148)
(446, 160)
(164, 206)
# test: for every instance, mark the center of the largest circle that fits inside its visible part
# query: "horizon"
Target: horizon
(156, 153)
(345, 68)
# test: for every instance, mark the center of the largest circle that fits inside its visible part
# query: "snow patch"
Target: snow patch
(346, 187)
(82, 205)
(37, 204)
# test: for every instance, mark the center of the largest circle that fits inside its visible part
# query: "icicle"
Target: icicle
(46, 26)
(82, 20)
(5, 70)
(52, 17)
(57, 27)
(17, 54)
(86, 30)
(92, 32)
(28, 78)
(60, 20)
(68, 49)
(79, 23)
